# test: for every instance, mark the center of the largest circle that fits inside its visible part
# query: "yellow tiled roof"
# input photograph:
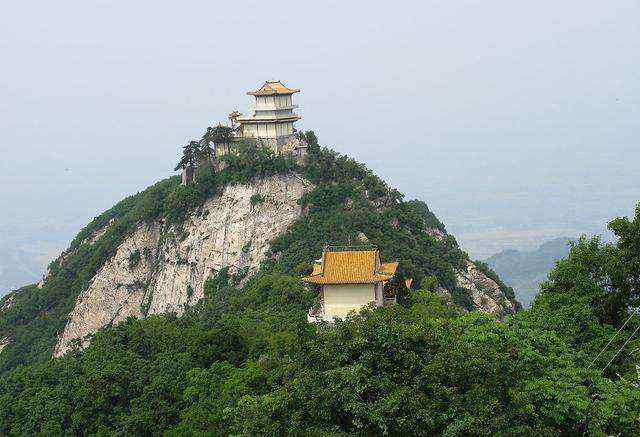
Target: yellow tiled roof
(351, 267)
(273, 87)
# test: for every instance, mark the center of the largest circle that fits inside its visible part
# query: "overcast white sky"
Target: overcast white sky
(514, 121)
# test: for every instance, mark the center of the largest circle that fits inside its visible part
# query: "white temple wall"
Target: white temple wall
(273, 102)
(284, 129)
(265, 102)
(249, 130)
(284, 101)
(340, 299)
(268, 130)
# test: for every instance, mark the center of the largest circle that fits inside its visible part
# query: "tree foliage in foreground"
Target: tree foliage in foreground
(247, 362)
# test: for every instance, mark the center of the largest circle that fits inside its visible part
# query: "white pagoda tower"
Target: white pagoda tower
(272, 116)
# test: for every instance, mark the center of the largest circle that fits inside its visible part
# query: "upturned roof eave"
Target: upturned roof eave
(267, 120)
(319, 280)
(273, 92)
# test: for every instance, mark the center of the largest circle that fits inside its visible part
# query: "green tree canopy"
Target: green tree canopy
(190, 153)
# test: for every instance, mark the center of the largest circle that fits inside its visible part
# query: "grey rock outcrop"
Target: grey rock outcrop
(435, 233)
(160, 269)
(4, 342)
(7, 302)
(484, 291)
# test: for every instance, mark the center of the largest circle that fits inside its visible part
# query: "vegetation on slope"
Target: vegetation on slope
(36, 315)
(247, 362)
(348, 199)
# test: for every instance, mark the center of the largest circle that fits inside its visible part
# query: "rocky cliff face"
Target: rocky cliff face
(160, 269)
(4, 342)
(484, 291)
(5, 304)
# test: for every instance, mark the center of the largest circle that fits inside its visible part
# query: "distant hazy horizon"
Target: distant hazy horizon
(515, 122)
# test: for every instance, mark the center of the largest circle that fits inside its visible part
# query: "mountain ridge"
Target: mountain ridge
(526, 270)
(343, 199)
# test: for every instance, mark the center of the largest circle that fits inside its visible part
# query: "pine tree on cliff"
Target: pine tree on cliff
(189, 154)
(206, 142)
(188, 162)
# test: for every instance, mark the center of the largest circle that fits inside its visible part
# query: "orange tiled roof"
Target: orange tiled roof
(351, 267)
(273, 87)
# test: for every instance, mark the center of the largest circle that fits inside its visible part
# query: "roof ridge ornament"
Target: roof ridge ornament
(275, 87)
(364, 247)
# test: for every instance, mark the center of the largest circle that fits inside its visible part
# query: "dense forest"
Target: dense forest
(244, 360)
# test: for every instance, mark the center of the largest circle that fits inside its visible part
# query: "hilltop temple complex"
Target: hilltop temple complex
(271, 124)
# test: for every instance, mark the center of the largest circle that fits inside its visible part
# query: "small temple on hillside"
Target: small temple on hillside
(349, 279)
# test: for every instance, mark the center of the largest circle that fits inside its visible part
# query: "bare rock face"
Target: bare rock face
(158, 270)
(435, 233)
(485, 292)
(4, 342)
(7, 303)
(362, 238)
(115, 292)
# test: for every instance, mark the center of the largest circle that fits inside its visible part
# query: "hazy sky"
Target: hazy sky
(515, 121)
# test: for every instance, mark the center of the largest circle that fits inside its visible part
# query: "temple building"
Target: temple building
(349, 280)
(270, 125)
(273, 117)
